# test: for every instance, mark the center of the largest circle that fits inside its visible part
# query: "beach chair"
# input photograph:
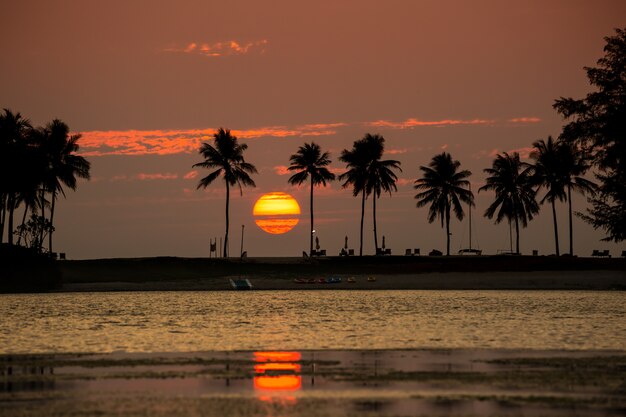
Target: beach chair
(350, 252)
(240, 284)
(416, 251)
(387, 252)
(624, 254)
(408, 252)
(595, 253)
(62, 256)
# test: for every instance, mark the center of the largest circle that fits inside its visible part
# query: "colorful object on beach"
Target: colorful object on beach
(351, 280)
(371, 279)
(276, 213)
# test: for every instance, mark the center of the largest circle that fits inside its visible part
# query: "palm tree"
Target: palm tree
(515, 199)
(63, 165)
(548, 174)
(443, 188)
(14, 131)
(358, 160)
(381, 178)
(309, 161)
(574, 164)
(227, 157)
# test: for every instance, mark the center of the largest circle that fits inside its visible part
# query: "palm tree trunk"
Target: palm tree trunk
(43, 218)
(3, 215)
(312, 228)
(517, 235)
(375, 231)
(54, 197)
(11, 201)
(19, 238)
(227, 221)
(447, 230)
(571, 227)
(362, 215)
(556, 230)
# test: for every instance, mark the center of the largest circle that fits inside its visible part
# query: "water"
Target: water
(279, 320)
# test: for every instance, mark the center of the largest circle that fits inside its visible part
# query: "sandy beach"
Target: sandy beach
(454, 273)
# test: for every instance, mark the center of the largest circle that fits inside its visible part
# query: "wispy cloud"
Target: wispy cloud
(396, 151)
(191, 175)
(219, 49)
(142, 176)
(167, 142)
(282, 170)
(411, 123)
(525, 120)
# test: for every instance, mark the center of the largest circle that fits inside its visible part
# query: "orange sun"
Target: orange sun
(276, 213)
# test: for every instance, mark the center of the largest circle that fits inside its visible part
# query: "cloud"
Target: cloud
(404, 181)
(411, 123)
(396, 151)
(282, 170)
(219, 49)
(191, 175)
(167, 142)
(158, 176)
(525, 120)
(523, 152)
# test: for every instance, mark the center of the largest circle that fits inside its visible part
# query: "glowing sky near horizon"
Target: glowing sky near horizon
(146, 82)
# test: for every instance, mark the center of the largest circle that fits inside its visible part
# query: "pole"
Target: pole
(241, 252)
(470, 219)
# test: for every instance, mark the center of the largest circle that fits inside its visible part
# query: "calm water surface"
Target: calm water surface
(203, 321)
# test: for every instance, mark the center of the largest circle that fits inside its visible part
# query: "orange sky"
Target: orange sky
(147, 81)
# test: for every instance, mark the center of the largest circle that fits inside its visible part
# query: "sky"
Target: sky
(146, 82)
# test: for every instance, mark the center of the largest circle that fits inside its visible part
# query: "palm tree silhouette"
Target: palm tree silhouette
(309, 161)
(443, 188)
(515, 199)
(14, 131)
(227, 157)
(547, 173)
(358, 160)
(63, 165)
(574, 164)
(380, 177)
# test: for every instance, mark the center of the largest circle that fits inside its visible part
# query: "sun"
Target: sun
(276, 212)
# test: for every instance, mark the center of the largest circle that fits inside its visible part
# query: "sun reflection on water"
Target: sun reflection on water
(277, 376)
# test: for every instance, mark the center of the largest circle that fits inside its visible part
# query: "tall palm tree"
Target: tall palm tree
(309, 161)
(548, 174)
(574, 164)
(381, 178)
(515, 199)
(64, 166)
(358, 161)
(227, 157)
(443, 187)
(14, 131)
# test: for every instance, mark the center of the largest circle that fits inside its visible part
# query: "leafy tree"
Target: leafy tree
(548, 174)
(597, 125)
(442, 187)
(510, 179)
(226, 157)
(310, 162)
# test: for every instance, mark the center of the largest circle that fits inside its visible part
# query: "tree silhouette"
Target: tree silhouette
(227, 157)
(63, 165)
(547, 173)
(596, 124)
(358, 161)
(515, 199)
(311, 163)
(381, 177)
(443, 187)
(14, 131)
(573, 164)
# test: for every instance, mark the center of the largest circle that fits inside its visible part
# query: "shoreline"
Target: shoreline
(391, 273)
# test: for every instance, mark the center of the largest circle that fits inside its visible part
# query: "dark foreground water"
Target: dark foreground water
(294, 320)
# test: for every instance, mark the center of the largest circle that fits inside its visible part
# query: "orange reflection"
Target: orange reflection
(276, 374)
